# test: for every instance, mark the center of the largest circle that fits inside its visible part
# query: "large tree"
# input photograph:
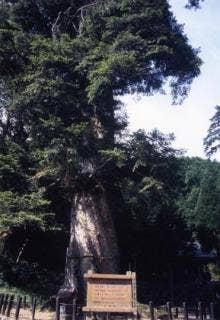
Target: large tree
(63, 63)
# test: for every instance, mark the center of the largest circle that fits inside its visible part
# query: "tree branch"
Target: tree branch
(21, 250)
(67, 13)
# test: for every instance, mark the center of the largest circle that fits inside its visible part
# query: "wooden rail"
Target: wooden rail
(200, 311)
(11, 306)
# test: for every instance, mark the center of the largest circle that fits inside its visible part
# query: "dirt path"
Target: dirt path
(27, 315)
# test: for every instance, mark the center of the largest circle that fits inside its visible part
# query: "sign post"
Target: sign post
(111, 294)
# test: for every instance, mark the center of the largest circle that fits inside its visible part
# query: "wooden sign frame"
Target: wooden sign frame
(111, 293)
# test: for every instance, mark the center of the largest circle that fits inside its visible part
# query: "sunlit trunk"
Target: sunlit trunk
(93, 243)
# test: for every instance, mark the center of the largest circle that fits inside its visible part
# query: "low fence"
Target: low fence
(17, 307)
(11, 306)
(67, 311)
(200, 311)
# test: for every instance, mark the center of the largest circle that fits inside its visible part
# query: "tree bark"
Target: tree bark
(93, 243)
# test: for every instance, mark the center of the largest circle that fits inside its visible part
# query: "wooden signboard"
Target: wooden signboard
(111, 293)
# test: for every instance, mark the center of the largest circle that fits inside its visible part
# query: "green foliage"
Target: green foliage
(148, 207)
(28, 278)
(21, 204)
(212, 140)
(201, 198)
(115, 155)
(63, 82)
(14, 166)
(138, 49)
(27, 211)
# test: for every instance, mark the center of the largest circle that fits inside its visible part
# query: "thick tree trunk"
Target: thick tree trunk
(93, 243)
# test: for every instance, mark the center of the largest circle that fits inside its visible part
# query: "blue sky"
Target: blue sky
(190, 121)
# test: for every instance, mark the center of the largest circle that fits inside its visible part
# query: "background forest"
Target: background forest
(63, 133)
(167, 203)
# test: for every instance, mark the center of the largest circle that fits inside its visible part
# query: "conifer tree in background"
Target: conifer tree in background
(200, 203)
(212, 140)
(62, 65)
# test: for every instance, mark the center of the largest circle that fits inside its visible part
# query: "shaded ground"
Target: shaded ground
(143, 310)
(160, 313)
(25, 314)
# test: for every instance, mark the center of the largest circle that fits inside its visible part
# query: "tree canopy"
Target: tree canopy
(62, 63)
